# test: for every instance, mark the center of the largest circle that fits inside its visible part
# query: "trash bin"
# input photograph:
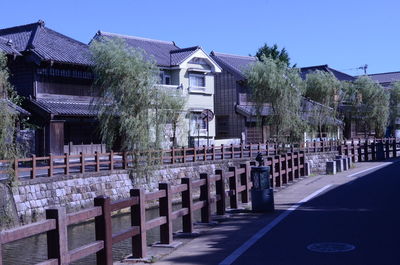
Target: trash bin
(262, 196)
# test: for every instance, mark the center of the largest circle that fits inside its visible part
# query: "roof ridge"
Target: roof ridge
(23, 26)
(135, 37)
(385, 73)
(186, 49)
(232, 55)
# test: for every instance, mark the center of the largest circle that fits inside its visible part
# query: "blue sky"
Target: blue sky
(342, 34)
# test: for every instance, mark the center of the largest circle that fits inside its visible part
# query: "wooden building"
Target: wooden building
(53, 74)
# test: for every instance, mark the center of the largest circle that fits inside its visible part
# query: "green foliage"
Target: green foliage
(394, 105)
(133, 111)
(324, 88)
(273, 53)
(273, 84)
(9, 148)
(371, 105)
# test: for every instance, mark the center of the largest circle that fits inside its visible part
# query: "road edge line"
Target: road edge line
(245, 246)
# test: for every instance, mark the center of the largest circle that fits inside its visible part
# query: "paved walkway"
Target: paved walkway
(223, 241)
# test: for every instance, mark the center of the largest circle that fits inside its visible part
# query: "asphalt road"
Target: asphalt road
(364, 214)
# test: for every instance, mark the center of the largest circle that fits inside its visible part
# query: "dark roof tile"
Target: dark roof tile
(66, 107)
(48, 44)
(339, 75)
(386, 79)
(234, 63)
(8, 47)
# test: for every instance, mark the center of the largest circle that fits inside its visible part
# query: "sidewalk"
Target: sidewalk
(218, 241)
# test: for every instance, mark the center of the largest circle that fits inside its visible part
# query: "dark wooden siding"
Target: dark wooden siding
(22, 76)
(225, 100)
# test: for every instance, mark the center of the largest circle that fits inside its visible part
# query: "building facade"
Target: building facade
(190, 71)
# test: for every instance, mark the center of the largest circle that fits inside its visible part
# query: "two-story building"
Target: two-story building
(53, 74)
(189, 70)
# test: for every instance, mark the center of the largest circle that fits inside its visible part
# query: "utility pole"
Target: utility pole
(364, 67)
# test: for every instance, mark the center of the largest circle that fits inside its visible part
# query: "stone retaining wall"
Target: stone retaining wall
(76, 192)
(317, 161)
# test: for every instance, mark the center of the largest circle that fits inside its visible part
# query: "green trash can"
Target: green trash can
(262, 196)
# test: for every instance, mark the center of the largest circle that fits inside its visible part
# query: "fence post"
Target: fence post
(205, 196)
(387, 153)
(184, 155)
(187, 202)
(220, 190)
(285, 180)
(213, 151)
(232, 151)
(125, 160)
(96, 155)
(289, 166)
(394, 148)
(66, 161)
(15, 167)
(166, 210)
(103, 230)
(82, 157)
(250, 155)
(233, 186)
(245, 180)
(173, 155)
(373, 150)
(272, 171)
(222, 151)
(301, 162)
(33, 173)
(205, 152)
(111, 160)
(57, 240)
(296, 165)
(279, 178)
(366, 150)
(138, 218)
(241, 150)
(51, 168)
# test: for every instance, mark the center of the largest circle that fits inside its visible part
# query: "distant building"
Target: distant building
(53, 73)
(189, 70)
(236, 114)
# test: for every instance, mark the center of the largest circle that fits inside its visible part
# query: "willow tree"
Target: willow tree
(394, 113)
(371, 106)
(324, 88)
(9, 147)
(133, 111)
(274, 84)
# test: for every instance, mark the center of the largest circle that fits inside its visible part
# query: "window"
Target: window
(196, 122)
(165, 79)
(197, 80)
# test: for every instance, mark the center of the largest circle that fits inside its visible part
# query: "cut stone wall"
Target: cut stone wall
(76, 192)
(317, 161)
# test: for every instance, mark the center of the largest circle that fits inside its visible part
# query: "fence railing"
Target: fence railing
(52, 165)
(212, 188)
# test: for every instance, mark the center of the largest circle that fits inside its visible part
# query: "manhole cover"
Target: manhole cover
(330, 247)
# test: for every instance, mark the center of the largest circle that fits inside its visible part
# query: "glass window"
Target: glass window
(197, 80)
(197, 122)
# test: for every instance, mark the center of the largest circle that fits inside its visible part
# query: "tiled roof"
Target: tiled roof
(7, 46)
(15, 108)
(47, 44)
(251, 110)
(180, 55)
(386, 78)
(160, 50)
(339, 75)
(234, 63)
(66, 107)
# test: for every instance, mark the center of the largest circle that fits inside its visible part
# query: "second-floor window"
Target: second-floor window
(197, 80)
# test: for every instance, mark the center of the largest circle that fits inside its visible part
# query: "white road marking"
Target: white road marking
(368, 169)
(239, 251)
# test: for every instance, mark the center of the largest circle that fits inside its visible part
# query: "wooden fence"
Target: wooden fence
(285, 168)
(52, 165)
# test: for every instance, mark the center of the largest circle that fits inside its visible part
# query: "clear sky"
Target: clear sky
(344, 34)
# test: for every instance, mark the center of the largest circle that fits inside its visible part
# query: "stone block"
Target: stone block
(350, 162)
(339, 165)
(331, 167)
(345, 164)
